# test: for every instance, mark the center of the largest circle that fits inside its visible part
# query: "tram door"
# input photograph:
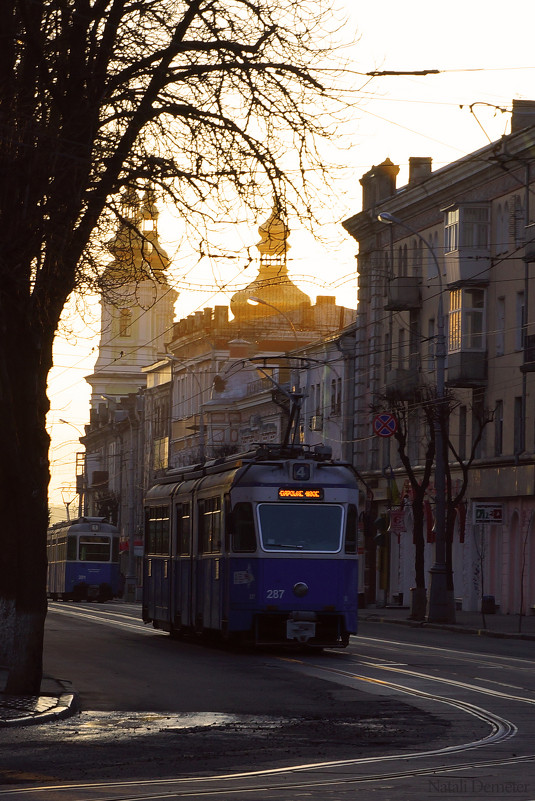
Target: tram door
(157, 579)
(183, 566)
(207, 591)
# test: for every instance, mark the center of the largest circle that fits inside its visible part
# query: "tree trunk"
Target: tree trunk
(418, 594)
(450, 528)
(25, 360)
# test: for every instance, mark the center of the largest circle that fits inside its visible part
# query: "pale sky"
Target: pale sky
(485, 51)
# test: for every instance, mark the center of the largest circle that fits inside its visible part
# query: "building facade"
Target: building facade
(137, 312)
(462, 235)
(229, 374)
(169, 394)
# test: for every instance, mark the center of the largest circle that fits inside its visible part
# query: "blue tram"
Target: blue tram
(260, 548)
(83, 560)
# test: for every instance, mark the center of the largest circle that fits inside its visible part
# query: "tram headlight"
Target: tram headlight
(300, 589)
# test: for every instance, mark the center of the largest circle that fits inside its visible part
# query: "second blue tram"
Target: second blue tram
(259, 548)
(83, 560)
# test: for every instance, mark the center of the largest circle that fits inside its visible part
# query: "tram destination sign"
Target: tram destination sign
(301, 493)
(487, 513)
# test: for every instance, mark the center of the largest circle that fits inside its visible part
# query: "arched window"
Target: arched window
(125, 323)
(505, 229)
(431, 263)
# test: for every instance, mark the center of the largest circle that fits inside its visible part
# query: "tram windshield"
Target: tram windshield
(96, 549)
(300, 527)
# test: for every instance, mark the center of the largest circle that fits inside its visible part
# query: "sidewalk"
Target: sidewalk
(58, 700)
(496, 625)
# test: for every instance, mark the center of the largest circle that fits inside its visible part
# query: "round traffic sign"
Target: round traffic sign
(385, 424)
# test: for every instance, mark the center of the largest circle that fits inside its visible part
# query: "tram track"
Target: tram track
(286, 777)
(313, 777)
(103, 617)
(464, 655)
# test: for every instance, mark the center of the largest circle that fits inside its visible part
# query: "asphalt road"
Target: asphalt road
(398, 706)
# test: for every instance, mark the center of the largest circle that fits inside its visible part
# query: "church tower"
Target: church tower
(137, 303)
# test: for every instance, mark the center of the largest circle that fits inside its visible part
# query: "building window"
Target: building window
(431, 345)
(520, 329)
(519, 425)
(418, 253)
(336, 396)
(500, 326)
(478, 415)
(466, 227)
(125, 323)
(467, 320)
(502, 229)
(318, 400)
(451, 231)
(388, 354)
(498, 428)
(401, 348)
(462, 432)
(431, 261)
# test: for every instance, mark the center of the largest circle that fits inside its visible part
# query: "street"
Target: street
(403, 713)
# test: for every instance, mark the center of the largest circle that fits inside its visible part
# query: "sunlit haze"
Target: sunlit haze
(484, 53)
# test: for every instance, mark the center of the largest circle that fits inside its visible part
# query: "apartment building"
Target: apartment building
(455, 245)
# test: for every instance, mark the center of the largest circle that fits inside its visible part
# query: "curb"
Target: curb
(58, 706)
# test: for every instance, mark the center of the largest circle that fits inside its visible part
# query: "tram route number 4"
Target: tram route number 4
(487, 513)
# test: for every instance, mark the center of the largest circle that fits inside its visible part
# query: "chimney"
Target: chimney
(220, 316)
(419, 168)
(378, 184)
(523, 115)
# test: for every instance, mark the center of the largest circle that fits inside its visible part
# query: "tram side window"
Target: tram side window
(210, 525)
(351, 529)
(183, 522)
(243, 535)
(71, 549)
(157, 532)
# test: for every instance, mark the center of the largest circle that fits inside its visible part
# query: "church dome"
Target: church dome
(272, 287)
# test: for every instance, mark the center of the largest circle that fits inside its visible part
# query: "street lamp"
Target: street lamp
(440, 604)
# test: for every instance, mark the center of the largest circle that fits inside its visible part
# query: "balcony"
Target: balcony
(316, 422)
(401, 384)
(403, 294)
(468, 266)
(467, 369)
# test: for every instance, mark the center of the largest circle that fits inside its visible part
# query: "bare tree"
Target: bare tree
(455, 494)
(523, 566)
(200, 99)
(419, 481)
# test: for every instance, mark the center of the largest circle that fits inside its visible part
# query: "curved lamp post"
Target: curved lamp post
(254, 301)
(441, 607)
